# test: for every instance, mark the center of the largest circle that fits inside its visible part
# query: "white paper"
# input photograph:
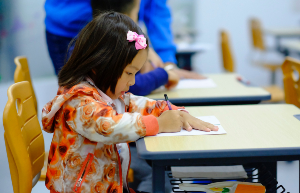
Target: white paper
(211, 172)
(193, 83)
(210, 119)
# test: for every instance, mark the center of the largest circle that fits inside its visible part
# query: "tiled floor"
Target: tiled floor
(288, 172)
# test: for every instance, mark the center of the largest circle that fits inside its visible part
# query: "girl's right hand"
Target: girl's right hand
(173, 79)
(170, 121)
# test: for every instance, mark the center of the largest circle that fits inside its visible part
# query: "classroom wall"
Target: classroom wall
(233, 16)
(22, 32)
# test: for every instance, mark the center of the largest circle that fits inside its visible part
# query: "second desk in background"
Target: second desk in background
(228, 90)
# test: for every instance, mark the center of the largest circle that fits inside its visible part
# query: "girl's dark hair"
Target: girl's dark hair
(121, 6)
(101, 51)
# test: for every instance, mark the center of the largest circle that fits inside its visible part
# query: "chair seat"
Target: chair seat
(267, 59)
(272, 67)
(277, 93)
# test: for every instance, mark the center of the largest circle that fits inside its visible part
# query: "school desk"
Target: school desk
(293, 46)
(228, 91)
(185, 51)
(280, 33)
(255, 133)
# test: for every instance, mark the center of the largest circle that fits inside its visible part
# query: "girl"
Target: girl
(93, 117)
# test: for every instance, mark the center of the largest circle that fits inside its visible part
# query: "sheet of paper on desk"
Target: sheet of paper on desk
(192, 83)
(210, 119)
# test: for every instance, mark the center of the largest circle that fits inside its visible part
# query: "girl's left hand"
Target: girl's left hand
(191, 122)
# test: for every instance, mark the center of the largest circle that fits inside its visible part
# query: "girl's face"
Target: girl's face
(128, 77)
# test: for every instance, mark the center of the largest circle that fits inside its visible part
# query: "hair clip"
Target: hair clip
(140, 40)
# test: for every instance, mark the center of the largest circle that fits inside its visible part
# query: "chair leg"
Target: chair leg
(273, 77)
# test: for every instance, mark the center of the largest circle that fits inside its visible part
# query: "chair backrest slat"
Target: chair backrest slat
(291, 81)
(257, 34)
(22, 73)
(228, 62)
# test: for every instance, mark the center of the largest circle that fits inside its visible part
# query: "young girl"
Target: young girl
(93, 117)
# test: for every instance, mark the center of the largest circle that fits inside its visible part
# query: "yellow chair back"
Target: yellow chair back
(291, 81)
(228, 62)
(23, 138)
(257, 34)
(22, 74)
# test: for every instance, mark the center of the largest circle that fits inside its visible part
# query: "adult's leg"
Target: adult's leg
(57, 48)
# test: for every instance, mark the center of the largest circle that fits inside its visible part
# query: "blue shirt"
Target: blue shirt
(157, 18)
(67, 17)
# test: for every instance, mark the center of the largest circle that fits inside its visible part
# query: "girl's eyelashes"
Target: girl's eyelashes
(129, 73)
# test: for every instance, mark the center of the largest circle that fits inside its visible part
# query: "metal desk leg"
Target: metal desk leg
(158, 178)
(277, 42)
(267, 174)
(273, 77)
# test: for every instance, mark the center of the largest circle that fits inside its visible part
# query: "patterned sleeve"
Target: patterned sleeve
(99, 122)
(147, 106)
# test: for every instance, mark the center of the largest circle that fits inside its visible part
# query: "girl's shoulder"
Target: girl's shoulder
(79, 92)
(83, 86)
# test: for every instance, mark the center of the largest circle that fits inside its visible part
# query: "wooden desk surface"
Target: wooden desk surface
(283, 31)
(292, 45)
(192, 48)
(227, 86)
(247, 126)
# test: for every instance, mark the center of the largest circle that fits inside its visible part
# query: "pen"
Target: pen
(243, 80)
(168, 102)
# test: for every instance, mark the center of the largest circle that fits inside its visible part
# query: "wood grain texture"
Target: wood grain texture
(227, 86)
(283, 31)
(247, 126)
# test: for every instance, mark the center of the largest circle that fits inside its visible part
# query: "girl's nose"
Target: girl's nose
(132, 81)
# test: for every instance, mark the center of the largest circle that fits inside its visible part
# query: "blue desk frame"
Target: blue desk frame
(218, 100)
(213, 158)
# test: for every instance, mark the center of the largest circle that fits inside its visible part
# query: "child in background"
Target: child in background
(93, 117)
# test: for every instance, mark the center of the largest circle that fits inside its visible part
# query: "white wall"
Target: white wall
(233, 16)
(23, 33)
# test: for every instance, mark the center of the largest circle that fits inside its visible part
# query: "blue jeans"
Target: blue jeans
(58, 49)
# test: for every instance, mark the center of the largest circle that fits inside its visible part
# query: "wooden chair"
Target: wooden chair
(291, 81)
(228, 62)
(23, 138)
(22, 74)
(277, 93)
(259, 46)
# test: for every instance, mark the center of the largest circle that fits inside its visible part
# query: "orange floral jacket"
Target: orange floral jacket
(89, 150)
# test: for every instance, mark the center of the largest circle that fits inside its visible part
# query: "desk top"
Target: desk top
(252, 130)
(228, 89)
(292, 45)
(283, 31)
(192, 48)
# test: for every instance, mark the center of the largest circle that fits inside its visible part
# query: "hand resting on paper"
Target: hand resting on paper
(173, 120)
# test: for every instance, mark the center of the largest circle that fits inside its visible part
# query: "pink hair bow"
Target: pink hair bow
(140, 40)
